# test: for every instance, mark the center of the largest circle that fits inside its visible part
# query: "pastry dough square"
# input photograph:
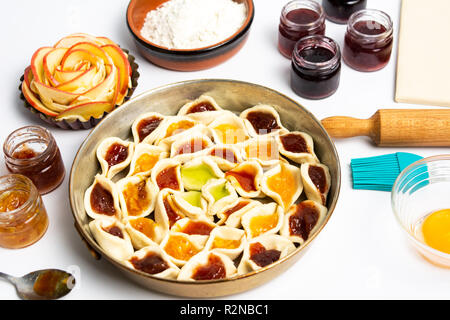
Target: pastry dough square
(423, 64)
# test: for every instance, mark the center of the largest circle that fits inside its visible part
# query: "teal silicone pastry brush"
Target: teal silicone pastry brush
(380, 172)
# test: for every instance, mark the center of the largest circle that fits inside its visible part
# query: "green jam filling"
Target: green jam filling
(194, 177)
(219, 191)
(193, 198)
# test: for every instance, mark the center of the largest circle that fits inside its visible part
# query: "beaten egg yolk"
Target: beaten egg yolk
(436, 230)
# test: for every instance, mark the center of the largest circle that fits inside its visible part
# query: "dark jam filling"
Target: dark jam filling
(365, 55)
(246, 180)
(262, 122)
(294, 143)
(192, 146)
(201, 107)
(147, 126)
(167, 178)
(151, 263)
(102, 200)
(197, 227)
(115, 154)
(316, 54)
(237, 207)
(340, 10)
(115, 231)
(311, 83)
(318, 178)
(287, 36)
(226, 154)
(261, 256)
(303, 220)
(214, 269)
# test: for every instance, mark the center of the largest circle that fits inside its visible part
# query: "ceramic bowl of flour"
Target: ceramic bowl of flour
(175, 51)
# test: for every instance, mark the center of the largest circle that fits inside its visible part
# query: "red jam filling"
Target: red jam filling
(172, 214)
(303, 220)
(261, 256)
(168, 178)
(305, 20)
(236, 208)
(214, 269)
(115, 154)
(245, 179)
(226, 154)
(364, 55)
(192, 146)
(147, 126)
(151, 263)
(102, 200)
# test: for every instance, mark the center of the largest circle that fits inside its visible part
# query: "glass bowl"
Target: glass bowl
(421, 189)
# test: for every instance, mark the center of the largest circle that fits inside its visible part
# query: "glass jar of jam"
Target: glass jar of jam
(316, 67)
(23, 218)
(32, 151)
(339, 11)
(368, 40)
(299, 18)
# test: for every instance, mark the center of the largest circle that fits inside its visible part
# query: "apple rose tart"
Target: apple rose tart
(81, 77)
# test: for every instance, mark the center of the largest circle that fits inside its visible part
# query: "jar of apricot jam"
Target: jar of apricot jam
(299, 18)
(368, 40)
(316, 67)
(23, 218)
(32, 151)
(339, 11)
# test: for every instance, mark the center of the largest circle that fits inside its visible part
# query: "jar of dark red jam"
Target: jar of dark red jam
(299, 18)
(368, 41)
(316, 67)
(23, 218)
(339, 11)
(32, 151)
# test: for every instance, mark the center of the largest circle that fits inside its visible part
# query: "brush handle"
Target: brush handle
(396, 127)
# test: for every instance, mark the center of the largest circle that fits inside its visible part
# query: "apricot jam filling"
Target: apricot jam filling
(145, 163)
(136, 198)
(144, 225)
(263, 223)
(225, 243)
(284, 184)
(180, 248)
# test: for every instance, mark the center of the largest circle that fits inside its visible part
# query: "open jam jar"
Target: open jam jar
(23, 218)
(316, 67)
(32, 151)
(339, 11)
(299, 18)
(368, 40)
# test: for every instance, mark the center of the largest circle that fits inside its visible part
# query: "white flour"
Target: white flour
(190, 24)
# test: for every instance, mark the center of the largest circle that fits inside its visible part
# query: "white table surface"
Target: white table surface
(361, 254)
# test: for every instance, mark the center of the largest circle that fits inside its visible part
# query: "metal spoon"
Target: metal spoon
(45, 284)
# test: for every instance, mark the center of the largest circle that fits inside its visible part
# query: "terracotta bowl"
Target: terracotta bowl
(232, 95)
(185, 59)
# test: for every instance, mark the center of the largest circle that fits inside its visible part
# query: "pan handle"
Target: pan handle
(95, 254)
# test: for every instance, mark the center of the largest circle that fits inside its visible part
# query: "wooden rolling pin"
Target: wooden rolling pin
(396, 127)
